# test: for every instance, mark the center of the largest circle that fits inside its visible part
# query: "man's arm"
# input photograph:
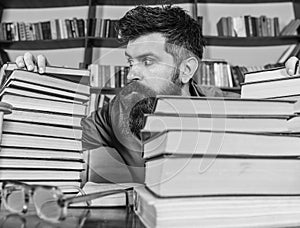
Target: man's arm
(96, 129)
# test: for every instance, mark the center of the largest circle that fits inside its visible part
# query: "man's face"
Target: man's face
(149, 63)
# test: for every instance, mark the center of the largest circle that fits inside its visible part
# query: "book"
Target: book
(14, 152)
(41, 163)
(39, 175)
(72, 74)
(158, 123)
(271, 88)
(44, 118)
(200, 175)
(28, 141)
(267, 74)
(49, 80)
(201, 142)
(41, 130)
(293, 123)
(222, 106)
(230, 211)
(28, 93)
(45, 105)
(32, 90)
(115, 200)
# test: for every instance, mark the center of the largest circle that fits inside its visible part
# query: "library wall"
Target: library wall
(211, 13)
(63, 57)
(248, 56)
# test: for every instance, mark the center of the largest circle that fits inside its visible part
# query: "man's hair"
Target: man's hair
(183, 34)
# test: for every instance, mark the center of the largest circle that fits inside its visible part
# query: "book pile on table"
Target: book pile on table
(274, 84)
(41, 137)
(202, 169)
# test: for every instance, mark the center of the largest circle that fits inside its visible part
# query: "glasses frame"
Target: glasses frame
(62, 201)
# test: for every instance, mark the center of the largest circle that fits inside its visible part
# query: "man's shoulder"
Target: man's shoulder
(212, 91)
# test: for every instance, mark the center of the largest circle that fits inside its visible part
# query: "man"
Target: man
(164, 48)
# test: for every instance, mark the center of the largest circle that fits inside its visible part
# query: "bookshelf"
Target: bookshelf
(89, 43)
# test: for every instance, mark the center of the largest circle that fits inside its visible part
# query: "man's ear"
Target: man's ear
(188, 68)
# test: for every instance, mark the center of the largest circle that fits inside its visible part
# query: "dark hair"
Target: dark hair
(183, 33)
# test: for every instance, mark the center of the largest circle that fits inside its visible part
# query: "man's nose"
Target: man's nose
(134, 74)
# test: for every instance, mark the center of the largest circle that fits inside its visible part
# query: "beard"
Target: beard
(146, 105)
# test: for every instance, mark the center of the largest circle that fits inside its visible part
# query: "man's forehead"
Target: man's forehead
(151, 43)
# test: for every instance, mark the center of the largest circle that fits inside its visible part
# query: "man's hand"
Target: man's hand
(292, 66)
(28, 61)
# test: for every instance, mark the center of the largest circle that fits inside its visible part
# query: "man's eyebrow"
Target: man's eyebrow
(142, 55)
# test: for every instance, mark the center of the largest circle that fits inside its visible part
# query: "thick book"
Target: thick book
(272, 88)
(229, 211)
(49, 81)
(222, 106)
(39, 104)
(66, 73)
(217, 143)
(32, 90)
(28, 141)
(28, 93)
(39, 175)
(41, 130)
(267, 74)
(13, 152)
(44, 118)
(155, 123)
(200, 175)
(41, 163)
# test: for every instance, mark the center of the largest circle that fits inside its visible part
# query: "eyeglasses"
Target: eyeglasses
(49, 201)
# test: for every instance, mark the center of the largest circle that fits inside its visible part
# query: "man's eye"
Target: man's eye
(130, 63)
(148, 62)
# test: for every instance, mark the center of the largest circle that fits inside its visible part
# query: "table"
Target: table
(77, 218)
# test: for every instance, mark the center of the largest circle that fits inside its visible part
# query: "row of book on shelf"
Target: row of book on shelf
(58, 29)
(248, 26)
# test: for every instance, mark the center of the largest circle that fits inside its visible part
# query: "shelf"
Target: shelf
(42, 3)
(69, 3)
(106, 42)
(115, 43)
(43, 44)
(231, 89)
(251, 41)
(242, 1)
(104, 90)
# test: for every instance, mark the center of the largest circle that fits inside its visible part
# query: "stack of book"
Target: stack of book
(41, 137)
(215, 175)
(274, 84)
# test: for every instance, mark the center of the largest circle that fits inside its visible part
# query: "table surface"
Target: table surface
(77, 218)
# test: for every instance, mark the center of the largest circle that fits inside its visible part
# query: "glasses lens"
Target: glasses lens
(14, 198)
(46, 202)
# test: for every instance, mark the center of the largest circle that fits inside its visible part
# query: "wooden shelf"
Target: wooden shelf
(104, 90)
(106, 42)
(242, 1)
(69, 3)
(43, 44)
(42, 3)
(115, 43)
(231, 89)
(251, 41)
